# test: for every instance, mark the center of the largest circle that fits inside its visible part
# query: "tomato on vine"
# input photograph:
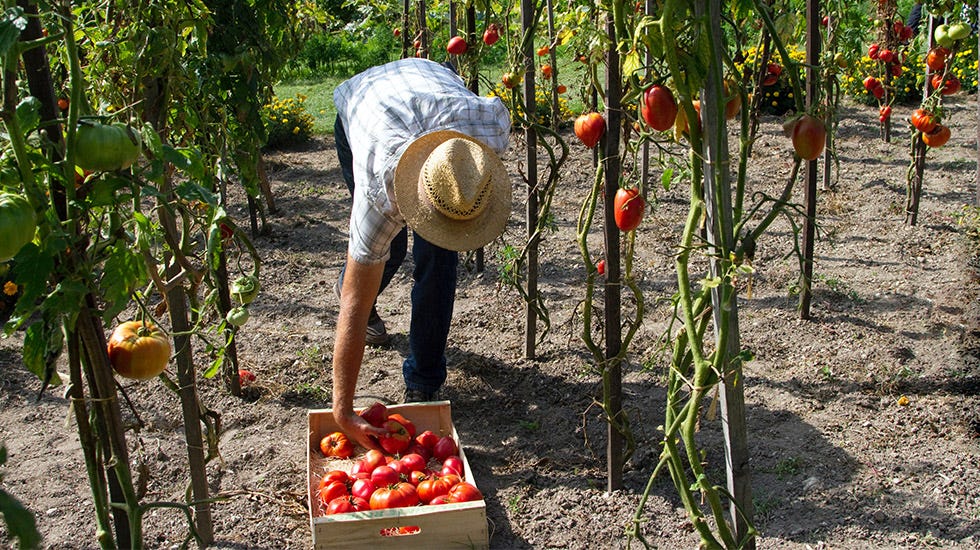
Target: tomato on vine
(105, 147)
(589, 128)
(17, 224)
(809, 136)
(628, 206)
(138, 350)
(659, 109)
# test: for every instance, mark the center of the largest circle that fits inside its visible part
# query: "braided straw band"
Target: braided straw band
(456, 179)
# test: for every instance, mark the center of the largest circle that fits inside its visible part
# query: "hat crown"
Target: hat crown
(457, 179)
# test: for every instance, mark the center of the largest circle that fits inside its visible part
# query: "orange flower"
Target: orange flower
(9, 288)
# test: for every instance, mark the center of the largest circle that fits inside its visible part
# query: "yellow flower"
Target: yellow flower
(296, 129)
(775, 103)
(903, 401)
(775, 94)
(9, 288)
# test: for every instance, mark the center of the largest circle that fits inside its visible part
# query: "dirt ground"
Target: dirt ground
(837, 461)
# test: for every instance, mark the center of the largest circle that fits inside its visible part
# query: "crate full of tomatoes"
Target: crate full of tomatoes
(418, 492)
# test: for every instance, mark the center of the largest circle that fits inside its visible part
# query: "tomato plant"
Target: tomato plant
(628, 206)
(138, 350)
(17, 224)
(336, 444)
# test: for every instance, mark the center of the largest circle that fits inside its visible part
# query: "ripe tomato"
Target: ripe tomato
(491, 35)
(628, 207)
(105, 146)
(936, 59)
(427, 439)
(464, 492)
(413, 462)
(546, 71)
(332, 490)
(63, 103)
(373, 458)
(886, 55)
(456, 45)
(734, 103)
(336, 445)
(950, 87)
(245, 377)
(659, 108)
(394, 496)
(433, 487)
(375, 415)
(884, 113)
(870, 83)
(397, 32)
(441, 499)
(409, 425)
(444, 448)
(345, 505)
(809, 135)
(335, 475)
(544, 50)
(452, 465)
(937, 137)
(873, 51)
(770, 79)
(363, 488)
(397, 439)
(923, 120)
(138, 350)
(562, 88)
(589, 128)
(17, 224)
(383, 476)
(600, 266)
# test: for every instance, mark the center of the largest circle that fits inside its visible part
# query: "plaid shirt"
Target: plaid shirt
(383, 110)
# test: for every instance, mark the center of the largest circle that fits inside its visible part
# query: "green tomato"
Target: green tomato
(237, 316)
(942, 37)
(105, 147)
(958, 30)
(245, 289)
(17, 224)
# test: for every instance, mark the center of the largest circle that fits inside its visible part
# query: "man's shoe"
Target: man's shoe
(377, 334)
(419, 396)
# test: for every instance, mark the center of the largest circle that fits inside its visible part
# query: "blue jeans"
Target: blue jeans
(433, 292)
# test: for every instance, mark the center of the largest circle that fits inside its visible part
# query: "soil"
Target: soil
(837, 461)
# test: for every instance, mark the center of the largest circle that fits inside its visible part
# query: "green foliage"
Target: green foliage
(778, 98)
(19, 520)
(343, 53)
(286, 121)
(542, 105)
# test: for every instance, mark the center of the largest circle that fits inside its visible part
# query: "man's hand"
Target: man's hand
(359, 430)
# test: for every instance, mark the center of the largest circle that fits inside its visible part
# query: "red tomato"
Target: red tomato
(659, 108)
(589, 128)
(245, 377)
(413, 462)
(951, 86)
(906, 34)
(628, 208)
(427, 439)
(809, 135)
(546, 71)
(886, 55)
(345, 505)
(397, 32)
(63, 103)
(456, 45)
(373, 459)
(936, 58)
(774, 68)
(409, 425)
(417, 449)
(491, 35)
(452, 465)
(923, 120)
(543, 51)
(394, 496)
(433, 487)
(445, 447)
(825, 21)
(884, 113)
(870, 83)
(937, 137)
(873, 51)
(896, 69)
(384, 475)
(362, 488)
(332, 490)
(464, 492)
(397, 438)
(601, 267)
(138, 350)
(375, 415)
(441, 499)
(336, 445)
(562, 88)
(418, 476)
(335, 475)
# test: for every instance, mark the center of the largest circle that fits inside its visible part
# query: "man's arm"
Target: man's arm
(361, 283)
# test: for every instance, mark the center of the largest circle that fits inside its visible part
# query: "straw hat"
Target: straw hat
(453, 190)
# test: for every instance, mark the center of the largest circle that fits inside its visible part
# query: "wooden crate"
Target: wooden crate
(458, 525)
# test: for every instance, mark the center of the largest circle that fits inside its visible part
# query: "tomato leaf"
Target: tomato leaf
(185, 160)
(124, 271)
(11, 25)
(31, 270)
(29, 113)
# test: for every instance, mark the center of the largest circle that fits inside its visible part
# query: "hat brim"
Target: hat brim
(428, 222)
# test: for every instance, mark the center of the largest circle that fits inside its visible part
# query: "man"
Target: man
(416, 146)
